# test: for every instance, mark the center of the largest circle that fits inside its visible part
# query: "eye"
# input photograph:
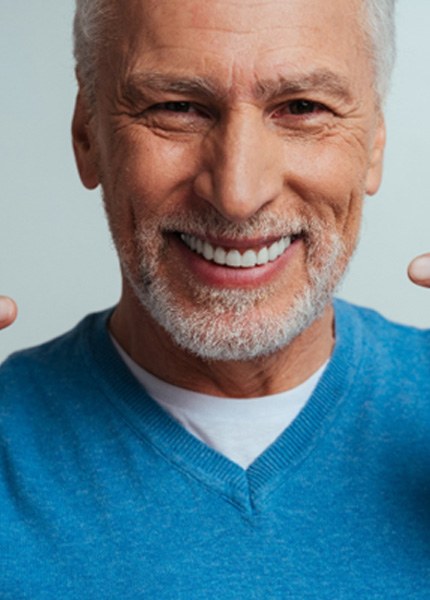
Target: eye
(304, 107)
(299, 108)
(178, 107)
(181, 116)
(173, 106)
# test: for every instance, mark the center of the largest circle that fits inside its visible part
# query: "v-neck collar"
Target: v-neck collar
(245, 489)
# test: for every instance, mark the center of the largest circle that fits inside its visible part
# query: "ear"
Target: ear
(374, 172)
(84, 144)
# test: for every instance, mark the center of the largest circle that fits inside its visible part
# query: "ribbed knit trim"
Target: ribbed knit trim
(245, 489)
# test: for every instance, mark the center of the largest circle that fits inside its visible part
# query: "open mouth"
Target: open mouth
(245, 258)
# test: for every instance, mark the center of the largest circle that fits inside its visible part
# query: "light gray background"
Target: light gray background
(56, 257)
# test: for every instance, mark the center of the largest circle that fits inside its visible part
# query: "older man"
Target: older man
(227, 430)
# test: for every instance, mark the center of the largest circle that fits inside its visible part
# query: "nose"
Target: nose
(241, 166)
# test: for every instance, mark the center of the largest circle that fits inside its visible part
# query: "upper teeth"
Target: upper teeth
(234, 258)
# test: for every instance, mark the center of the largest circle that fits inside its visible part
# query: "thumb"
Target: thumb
(419, 270)
(8, 311)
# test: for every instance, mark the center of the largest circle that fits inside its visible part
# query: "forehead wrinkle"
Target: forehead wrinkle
(174, 83)
(320, 80)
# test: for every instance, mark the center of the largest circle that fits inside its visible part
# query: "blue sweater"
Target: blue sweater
(104, 496)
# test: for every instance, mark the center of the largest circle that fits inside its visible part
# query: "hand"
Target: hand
(8, 312)
(419, 270)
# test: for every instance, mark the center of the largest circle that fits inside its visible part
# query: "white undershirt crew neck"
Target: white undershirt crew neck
(240, 429)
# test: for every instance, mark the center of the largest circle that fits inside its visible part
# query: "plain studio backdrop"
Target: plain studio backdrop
(57, 259)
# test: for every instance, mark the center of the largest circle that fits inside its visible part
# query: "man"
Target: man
(226, 431)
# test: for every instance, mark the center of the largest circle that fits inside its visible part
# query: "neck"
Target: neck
(152, 348)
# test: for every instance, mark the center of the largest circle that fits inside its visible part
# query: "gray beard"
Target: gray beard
(236, 324)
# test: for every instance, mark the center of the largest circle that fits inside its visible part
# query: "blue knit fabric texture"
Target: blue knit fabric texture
(104, 496)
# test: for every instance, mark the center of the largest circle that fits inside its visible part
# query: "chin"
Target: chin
(235, 324)
(217, 323)
(240, 335)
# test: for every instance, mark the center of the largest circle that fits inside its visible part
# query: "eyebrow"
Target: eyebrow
(322, 80)
(161, 82)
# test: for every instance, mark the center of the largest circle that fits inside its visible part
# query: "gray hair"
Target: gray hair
(381, 31)
(93, 23)
(90, 33)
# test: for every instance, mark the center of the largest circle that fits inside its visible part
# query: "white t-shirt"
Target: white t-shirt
(240, 429)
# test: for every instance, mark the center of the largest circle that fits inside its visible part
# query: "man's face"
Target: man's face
(234, 142)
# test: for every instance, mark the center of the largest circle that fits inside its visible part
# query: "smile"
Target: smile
(246, 259)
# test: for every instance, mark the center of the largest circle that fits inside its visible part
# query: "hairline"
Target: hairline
(93, 27)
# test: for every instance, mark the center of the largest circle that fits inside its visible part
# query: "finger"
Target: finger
(419, 270)
(8, 311)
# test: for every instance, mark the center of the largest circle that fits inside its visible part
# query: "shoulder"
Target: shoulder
(375, 326)
(388, 350)
(47, 365)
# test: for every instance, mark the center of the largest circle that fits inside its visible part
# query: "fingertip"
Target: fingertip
(8, 311)
(419, 270)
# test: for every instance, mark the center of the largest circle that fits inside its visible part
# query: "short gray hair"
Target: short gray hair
(381, 31)
(93, 20)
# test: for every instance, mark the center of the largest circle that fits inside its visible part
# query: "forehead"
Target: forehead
(230, 40)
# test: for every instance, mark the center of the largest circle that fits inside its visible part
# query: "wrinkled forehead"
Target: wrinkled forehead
(240, 35)
(158, 18)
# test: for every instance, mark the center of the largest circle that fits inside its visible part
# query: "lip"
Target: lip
(219, 276)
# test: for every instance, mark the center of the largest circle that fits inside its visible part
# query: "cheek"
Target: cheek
(151, 169)
(144, 178)
(330, 179)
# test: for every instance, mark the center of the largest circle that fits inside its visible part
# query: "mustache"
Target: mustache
(209, 222)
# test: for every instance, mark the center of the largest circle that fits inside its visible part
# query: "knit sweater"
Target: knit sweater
(104, 496)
